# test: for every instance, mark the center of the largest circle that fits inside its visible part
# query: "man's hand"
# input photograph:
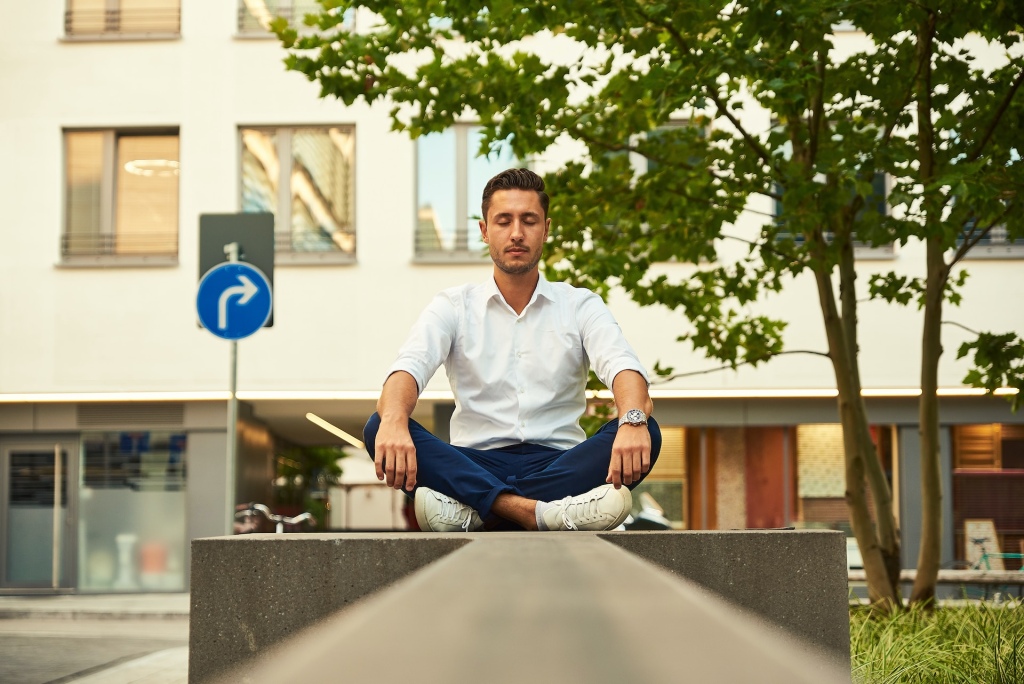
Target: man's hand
(395, 455)
(631, 455)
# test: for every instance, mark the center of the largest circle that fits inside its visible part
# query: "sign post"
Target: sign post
(234, 300)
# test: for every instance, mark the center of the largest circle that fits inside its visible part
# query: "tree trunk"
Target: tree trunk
(879, 548)
(930, 551)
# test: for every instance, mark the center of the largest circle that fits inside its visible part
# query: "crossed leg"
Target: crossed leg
(508, 482)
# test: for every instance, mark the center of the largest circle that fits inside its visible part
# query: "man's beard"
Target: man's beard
(518, 268)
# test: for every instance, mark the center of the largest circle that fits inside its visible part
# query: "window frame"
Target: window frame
(456, 255)
(108, 202)
(283, 228)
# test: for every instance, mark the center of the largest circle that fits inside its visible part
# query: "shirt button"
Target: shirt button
(519, 355)
(522, 424)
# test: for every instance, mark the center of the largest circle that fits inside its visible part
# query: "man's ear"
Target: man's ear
(547, 228)
(483, 230)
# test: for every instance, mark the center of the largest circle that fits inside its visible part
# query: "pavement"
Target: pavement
(164, 617)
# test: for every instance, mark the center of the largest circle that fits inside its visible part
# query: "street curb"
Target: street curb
(28, 614)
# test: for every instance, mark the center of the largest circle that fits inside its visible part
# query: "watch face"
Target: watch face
(635, 416)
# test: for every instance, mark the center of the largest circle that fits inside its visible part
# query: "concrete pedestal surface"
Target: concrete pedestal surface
(508, 606)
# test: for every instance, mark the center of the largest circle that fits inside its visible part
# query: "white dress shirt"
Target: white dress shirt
(516, 378)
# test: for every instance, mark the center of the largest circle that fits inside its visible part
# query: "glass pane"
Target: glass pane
(147, 195)
(132, 512)
(84, 178)
(821, 477)
(255, 15)
(482, 169)
(435, 191)
(261, 170)
(322, 189)
(30, 516)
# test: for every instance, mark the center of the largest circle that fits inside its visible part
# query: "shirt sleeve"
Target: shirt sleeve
(606, 346)
(429, 342)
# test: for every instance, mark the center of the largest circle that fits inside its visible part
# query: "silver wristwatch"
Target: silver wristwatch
(633, 417)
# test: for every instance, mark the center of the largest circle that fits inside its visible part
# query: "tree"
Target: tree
(778, 113)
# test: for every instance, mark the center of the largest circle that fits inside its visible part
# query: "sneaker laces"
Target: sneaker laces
(582, 509)
(451, 510)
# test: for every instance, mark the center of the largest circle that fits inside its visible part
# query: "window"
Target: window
(996, 245)
(121, 195)
(122, 18)
(450, 180)
(988, 492)
(132, 513)
(875, 202)
(254, 16)
(306, 178)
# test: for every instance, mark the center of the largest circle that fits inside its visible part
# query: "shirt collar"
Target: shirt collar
(543, 289)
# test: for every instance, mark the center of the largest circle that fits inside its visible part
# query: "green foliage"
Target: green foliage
(304, 475)
(899, 289)
(998, 362)
(671, 84)
(974, 643)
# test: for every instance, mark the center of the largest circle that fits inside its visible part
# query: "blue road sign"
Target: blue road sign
(234, 300)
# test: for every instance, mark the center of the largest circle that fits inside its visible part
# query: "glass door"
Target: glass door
(37, 512)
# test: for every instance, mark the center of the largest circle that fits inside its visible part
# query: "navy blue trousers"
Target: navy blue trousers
(476, 477)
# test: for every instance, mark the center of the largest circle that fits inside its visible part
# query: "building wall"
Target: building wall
(731, 450)
(133, 329)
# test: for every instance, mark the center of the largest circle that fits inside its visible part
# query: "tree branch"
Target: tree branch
(742, 363)
(962, 326)
(818, 110)
(763, 246)
(978, 234)
(1003, 106)
(712, 93)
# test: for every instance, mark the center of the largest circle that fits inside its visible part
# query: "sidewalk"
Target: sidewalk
(113, 614)
(95, 606)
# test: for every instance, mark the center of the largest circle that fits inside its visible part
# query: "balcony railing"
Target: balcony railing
(142, 21)
(430, 246)
(254, 16)
(315, 241)
(145, 244)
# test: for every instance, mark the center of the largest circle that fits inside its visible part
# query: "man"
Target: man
(517, 350)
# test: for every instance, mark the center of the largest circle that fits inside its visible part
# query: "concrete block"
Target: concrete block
(736, 606)
(249, 592)
(554, 607)
(795, 579)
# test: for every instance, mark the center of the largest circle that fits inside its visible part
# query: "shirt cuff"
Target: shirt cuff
(417, 376)
(627, 365)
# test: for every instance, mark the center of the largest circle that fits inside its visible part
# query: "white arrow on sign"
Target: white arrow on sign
(247, 289)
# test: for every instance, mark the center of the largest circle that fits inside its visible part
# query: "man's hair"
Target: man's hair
(515, 179)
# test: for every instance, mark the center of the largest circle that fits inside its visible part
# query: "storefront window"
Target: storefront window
(132, 512)
(988, 494)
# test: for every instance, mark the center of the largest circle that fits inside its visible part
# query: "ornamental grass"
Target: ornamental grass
(979, 643)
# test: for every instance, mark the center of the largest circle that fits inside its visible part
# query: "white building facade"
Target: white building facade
(122, 122)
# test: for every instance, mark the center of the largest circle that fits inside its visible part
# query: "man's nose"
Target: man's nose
(517, 232)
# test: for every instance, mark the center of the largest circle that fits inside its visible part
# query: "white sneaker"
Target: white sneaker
(602, 508)
(436, 512)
